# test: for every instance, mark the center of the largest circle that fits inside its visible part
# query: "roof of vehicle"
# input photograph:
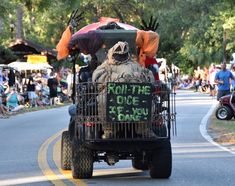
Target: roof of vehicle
(92, 41)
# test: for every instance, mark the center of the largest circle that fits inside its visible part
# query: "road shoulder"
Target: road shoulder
(216, 134)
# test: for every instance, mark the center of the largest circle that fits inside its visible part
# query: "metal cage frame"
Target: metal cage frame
(92, 123)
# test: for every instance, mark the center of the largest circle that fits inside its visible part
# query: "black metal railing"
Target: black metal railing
(125, 110)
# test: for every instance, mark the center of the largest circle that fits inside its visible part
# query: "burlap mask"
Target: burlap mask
(119, 53)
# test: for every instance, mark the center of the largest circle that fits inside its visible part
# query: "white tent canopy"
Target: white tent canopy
(22, 66)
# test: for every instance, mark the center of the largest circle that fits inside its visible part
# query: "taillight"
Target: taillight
(224, 99)
(89, 124)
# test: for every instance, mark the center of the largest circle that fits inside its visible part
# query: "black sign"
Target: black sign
(129, 102)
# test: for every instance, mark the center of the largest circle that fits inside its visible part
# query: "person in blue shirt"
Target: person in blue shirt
(13, 99)
(223, 78)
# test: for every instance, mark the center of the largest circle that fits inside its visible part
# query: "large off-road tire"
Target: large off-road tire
(66, 151)
(161, 164)
(223, 113)
(82, 161)
(139, 164)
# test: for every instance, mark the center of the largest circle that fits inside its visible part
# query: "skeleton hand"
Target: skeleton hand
(74, 19)
(152, 25)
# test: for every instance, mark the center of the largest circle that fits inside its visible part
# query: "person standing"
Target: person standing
(69, 80)
(31, 92)
(222, 78)
(233, 72)
(1, 77)
(211, 79)
(197, 78)
(52, 83)
(12, 79)
(233, 59)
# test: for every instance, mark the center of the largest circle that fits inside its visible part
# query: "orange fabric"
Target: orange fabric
(148, 42)
(62, 46)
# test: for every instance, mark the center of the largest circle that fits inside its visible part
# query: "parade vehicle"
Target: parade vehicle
(140, 116)
(226, 108)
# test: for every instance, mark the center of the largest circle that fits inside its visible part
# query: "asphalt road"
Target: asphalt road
(29, 151)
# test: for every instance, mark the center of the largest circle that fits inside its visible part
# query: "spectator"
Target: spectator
(3, 109)
(5, 76)
(69, 80)
(40, 100)
(211, 78)
(223, 78)
(197, 78)
(233, 59)
(12, 78)
(1, 76)
(185, 85)
(38, 86)
(52, 84)
(13, 99)
(233, 72)
(31, 92)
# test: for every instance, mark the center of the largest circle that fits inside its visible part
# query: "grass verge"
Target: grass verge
(222, 131)
(27, 109)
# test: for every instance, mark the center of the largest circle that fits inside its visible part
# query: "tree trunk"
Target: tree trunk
(1, 25)
(19, 28)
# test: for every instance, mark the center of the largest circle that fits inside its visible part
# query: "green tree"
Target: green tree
(191, 32)
(6, 55)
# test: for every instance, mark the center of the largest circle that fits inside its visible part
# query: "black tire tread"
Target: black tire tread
(161, 164)
(82, 162)
(139, 164)
(229, 113)
(66, 151)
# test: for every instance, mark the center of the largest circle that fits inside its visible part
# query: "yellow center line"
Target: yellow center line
(57, 179)
(66, 173)
(42, 161)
